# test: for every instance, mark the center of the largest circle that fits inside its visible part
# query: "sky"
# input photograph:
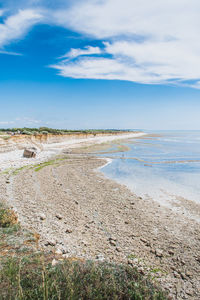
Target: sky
(80, 64)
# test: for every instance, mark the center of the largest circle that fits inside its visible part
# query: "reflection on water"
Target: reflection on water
(161, 167)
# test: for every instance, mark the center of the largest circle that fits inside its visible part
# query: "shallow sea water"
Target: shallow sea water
(161, 167)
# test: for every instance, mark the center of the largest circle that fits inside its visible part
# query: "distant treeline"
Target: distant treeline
(46, 130)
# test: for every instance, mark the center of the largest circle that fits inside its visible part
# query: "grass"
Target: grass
(48, 163)
(34, 277)
(26, 273)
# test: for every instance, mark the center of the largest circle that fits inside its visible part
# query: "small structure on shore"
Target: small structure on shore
(30, 152)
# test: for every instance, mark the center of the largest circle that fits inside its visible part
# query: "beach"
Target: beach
(79, 212)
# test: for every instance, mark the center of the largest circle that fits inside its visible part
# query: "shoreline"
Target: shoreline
(90, 216)
(14, 159)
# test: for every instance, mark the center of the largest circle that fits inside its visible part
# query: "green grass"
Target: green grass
(34, 278)
(48, 163)
(26, 273)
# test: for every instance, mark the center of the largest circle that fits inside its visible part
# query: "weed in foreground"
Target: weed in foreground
(35, 278)
(7, 217)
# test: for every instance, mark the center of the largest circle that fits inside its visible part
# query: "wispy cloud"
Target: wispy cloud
(89, 50)
(10, 53)
(27, 120)
(153, 42)
(17, 25)
(149, 42)
(6, 122)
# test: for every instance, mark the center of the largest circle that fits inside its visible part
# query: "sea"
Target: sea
(162, 165)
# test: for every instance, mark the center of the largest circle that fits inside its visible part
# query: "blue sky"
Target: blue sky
(100, 64)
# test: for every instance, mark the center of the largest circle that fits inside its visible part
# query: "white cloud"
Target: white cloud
(6, 122)
(106, 68)
(142, 41)
(28, 120)
(89, 50)
(16, 26)
(149, 41)
(108, 18)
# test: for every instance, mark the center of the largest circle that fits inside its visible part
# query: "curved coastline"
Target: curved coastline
(94, 210)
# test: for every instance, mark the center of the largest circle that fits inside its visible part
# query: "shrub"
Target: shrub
(7, 217)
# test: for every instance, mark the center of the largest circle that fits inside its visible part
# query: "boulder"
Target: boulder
(30, 152)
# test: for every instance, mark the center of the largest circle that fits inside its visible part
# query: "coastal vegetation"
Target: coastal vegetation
(26, 272)
(46, 130)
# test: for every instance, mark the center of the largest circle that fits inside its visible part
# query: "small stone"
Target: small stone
(112, 241)
(176, 275)
(188, 273)
(183, 262)
(54, 262)
(143, 240)
(59, 217)
(183, 276)
(159, 253)
(126, 222)
(189, 292)
(42, 217)
(118, 249)
(100, 257)
(58, 251)
(50, 243)
(198, 259)
(7, 181)
(171, 252)
(68, 230)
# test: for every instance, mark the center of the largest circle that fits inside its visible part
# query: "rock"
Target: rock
(118, 249)
(68, 230)
(112, 241)
(7, 181)
(159, 253)
(30, 152)
(188, 273)
(61, 250)
(50, 243)
(100, 257)
(183, 276)
(171, 252)
(54, 262)
(42, 217)
(189, 292)
(59, 217)
(58, 251)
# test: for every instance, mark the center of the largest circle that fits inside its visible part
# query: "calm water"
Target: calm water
(161, 167)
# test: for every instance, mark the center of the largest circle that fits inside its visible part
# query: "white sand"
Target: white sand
(15, 159)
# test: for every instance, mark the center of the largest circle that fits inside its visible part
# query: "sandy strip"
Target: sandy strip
(14, 159)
